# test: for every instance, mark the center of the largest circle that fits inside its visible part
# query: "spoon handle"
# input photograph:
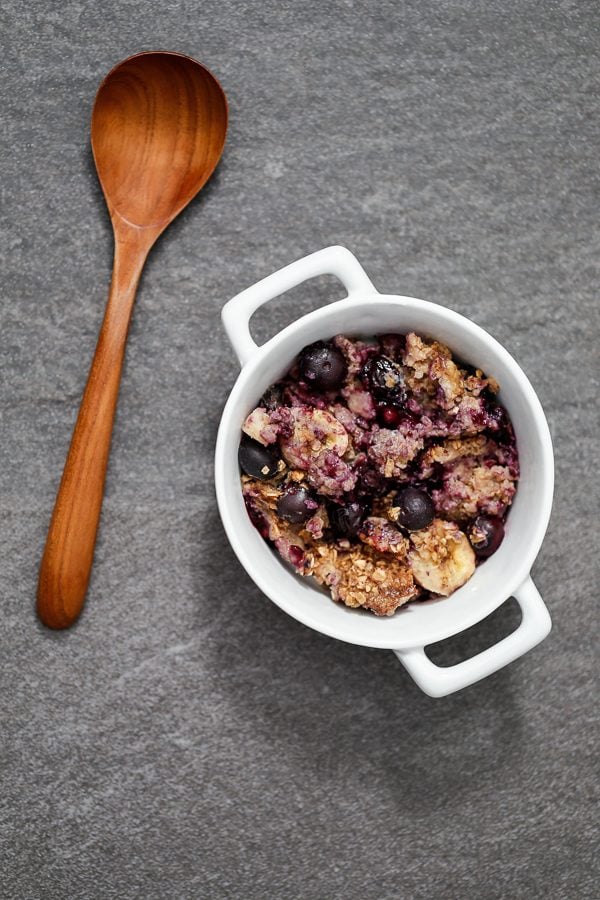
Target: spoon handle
(69, 552)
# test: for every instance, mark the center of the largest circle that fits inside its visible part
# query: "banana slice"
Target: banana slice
(314, 431)
(259, 427)
(441, 558)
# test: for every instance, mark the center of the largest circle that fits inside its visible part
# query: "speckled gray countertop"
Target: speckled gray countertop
(186, 739)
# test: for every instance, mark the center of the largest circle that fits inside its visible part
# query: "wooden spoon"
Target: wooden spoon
(158, 130)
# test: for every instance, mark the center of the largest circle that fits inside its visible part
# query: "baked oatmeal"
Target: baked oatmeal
(382, 468)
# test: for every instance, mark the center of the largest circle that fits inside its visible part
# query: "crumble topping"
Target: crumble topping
(360, 577)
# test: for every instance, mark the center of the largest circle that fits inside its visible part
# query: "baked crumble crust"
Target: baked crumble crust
(399, 414)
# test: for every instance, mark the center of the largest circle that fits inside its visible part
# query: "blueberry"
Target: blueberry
(385, 380)
(296, 505)
(272, 397)
(498, 423)
(415, 508)
(322, 366)
(486, 534)
(388, 416)
(256, 460)
(497, 417)
(258, 520)
(346, 520)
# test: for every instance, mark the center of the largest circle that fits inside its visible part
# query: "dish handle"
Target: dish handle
(438, 681)
(236, 314)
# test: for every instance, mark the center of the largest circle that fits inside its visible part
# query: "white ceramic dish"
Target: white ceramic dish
(365, 312)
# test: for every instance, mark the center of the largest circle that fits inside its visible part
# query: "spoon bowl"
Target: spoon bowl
(158, 130)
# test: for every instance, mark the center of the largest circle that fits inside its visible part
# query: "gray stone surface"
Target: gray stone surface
(186, 739)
